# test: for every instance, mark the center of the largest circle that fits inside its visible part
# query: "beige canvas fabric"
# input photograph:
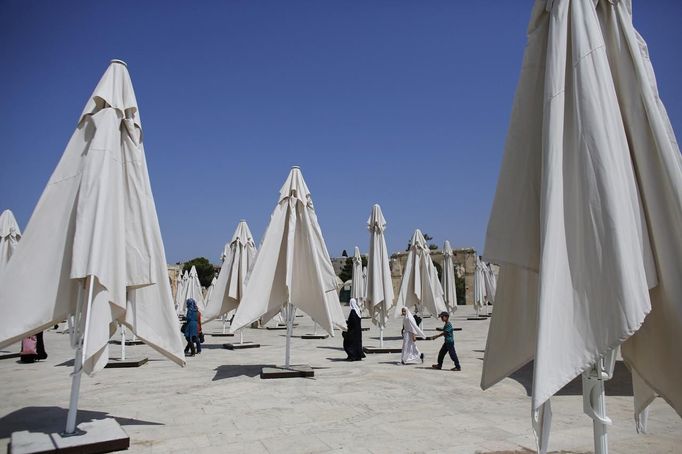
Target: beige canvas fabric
(239, 257)
(292, 265)
(10, 234)
(419, 286)
(585, 218)
(96, 217)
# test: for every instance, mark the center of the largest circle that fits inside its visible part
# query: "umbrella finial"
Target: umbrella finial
(115, 60)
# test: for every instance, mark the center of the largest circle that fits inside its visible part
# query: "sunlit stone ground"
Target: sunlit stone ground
(219, 403)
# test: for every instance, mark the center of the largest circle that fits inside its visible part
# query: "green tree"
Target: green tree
(347, 270)
(205, 270)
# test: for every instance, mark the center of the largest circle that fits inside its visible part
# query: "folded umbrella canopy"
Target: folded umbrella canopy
(586, 215)
(449, 289)
(209, 291)
(379, 292)
(239, 257)
(420, 287)
(95, 234)
(180, 291)
(192, 289)
(293, 267)
(490, 282)
(479, 286)
(9, 237)
(358, 282)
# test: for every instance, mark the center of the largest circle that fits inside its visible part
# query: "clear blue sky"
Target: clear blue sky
(404, 103)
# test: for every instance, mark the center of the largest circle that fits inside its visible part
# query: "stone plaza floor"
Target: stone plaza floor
(219, 404)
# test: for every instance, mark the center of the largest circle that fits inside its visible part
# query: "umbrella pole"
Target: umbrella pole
(78, 359)
(594, 404)
(287, 355)
(224, 322)
(315, 329)
(241, 336)
(123, 343)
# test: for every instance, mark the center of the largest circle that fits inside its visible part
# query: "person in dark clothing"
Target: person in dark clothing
(192, 328)
(352, 339)
(448, 343)
(32, 356)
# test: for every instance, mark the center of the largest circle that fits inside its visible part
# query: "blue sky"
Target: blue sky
(402, 103)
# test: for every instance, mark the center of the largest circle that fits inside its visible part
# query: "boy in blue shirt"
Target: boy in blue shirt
(448, 343)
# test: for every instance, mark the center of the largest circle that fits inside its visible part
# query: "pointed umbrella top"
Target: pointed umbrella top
(8, 225)
(447, 249)
(115, 89)
(242, 234)
(418, 241)
(295, 187)
(376, 221)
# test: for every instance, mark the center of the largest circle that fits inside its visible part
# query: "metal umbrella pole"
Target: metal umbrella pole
(123, 343)
(290, 312)
(80, 331)
(594, 402)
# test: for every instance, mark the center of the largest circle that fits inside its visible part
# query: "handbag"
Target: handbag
(201, 338)
(183, 328)
(29, 346)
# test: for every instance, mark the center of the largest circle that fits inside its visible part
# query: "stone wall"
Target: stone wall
(465, 265)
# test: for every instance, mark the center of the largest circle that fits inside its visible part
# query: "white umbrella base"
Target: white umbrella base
(221, 334)
(372, 350)
(294, 371)
(104, 435)
(128, 343)
(118, 363)
(241, 346)
(315, 336)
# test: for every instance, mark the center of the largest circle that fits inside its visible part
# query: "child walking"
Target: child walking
(448, 343)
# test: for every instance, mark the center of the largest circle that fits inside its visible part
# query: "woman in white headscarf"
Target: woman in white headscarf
(411, 330)
(352, 339)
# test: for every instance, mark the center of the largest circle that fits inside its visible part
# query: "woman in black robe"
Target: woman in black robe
(352, 339)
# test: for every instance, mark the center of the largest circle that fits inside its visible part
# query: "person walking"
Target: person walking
(192, 328)
(352, 338)
(411, 330)
(448, 343)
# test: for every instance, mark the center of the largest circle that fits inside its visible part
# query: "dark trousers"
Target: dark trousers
(190, 346)
(449, 348)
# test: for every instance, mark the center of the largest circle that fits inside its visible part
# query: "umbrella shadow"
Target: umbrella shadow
(239, 370)
(338, 360)
(392, 363)
(620, 385)
(212, 347)
(67, 363)
(52, 419)
(330, 348)
(388, 338)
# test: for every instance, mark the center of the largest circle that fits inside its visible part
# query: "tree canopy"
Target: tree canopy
(205, 270)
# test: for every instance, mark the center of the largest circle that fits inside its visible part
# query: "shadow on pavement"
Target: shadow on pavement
(330, 348)
(619, 385)
(53, 419)
(239, 370)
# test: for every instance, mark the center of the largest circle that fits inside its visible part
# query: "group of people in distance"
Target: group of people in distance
(352, 339)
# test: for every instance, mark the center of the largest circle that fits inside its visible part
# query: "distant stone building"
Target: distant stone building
(465, 266)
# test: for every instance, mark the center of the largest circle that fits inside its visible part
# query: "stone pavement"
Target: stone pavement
(219, 404)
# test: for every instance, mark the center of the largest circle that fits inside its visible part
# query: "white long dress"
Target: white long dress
(410, 351)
